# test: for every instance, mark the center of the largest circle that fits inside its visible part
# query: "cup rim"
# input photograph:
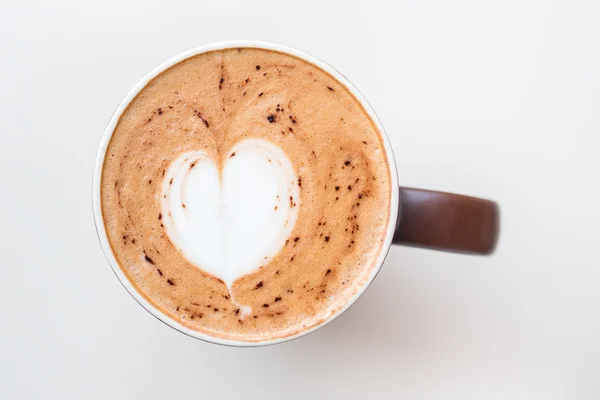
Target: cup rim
(107, 135)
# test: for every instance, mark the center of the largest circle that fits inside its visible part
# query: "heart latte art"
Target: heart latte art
(246, 194)
(230, 221)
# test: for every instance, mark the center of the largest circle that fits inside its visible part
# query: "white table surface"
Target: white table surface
(498, 99)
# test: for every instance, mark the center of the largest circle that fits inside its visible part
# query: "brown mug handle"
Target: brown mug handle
(446, 221)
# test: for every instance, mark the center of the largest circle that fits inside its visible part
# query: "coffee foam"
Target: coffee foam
(229, 222)
(207, 106)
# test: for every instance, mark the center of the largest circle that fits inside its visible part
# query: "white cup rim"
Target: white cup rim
(96, 199)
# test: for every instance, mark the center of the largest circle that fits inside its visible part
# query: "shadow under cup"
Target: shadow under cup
(422, 218)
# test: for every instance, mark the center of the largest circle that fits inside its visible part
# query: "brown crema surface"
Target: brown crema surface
(210, 102)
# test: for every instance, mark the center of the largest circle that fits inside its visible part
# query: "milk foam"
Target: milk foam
(229, 221)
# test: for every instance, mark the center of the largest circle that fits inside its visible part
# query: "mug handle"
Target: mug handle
(446, 221)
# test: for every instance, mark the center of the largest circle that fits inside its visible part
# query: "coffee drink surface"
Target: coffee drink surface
(246, 194)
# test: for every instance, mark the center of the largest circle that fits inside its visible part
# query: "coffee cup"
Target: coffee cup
(417, 217)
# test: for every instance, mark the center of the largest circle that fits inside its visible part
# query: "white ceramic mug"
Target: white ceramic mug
(417, 217)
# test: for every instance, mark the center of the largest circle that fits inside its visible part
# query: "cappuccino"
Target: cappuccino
(246, 194)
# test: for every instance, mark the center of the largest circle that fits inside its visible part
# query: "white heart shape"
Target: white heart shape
(230, 224)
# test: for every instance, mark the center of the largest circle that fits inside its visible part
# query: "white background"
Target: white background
(498, 99)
